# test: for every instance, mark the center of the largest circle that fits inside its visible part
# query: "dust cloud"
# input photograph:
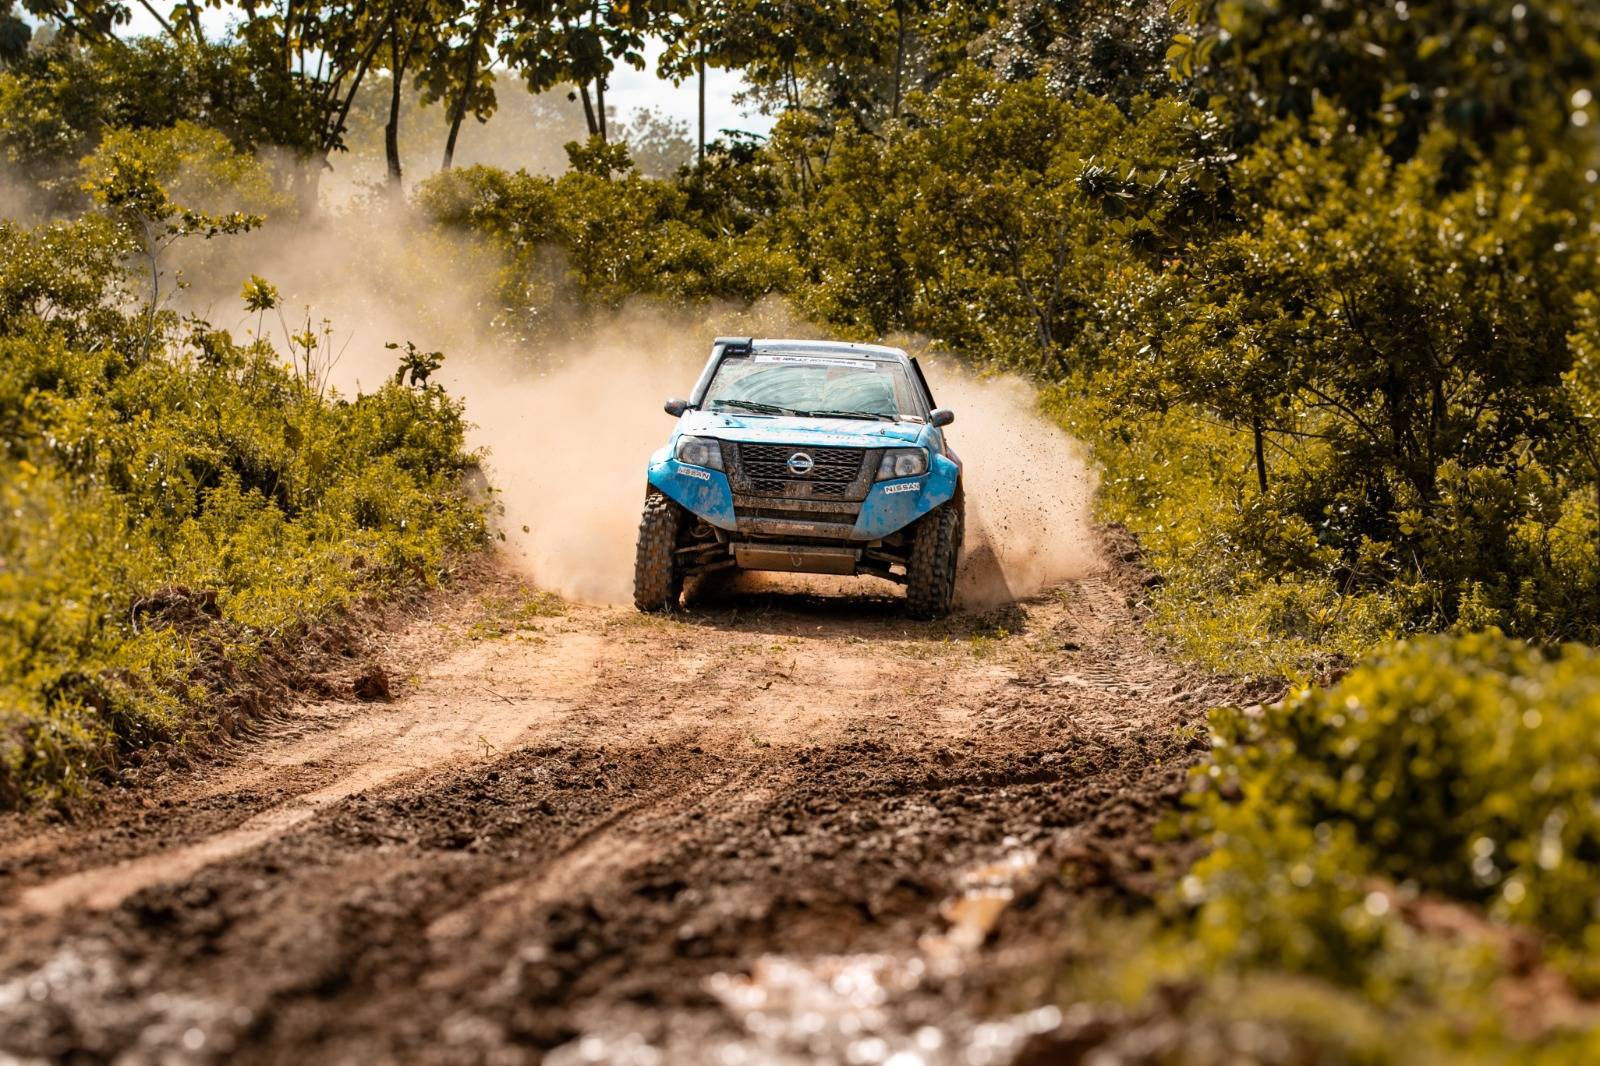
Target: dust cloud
(19, 200)
(567, 446)
(566, 425)
(1029, 489)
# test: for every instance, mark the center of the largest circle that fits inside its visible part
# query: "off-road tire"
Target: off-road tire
(657, 573)
(931, 570)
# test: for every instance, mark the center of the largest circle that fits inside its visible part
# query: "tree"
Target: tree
(14, 35)
(133, 176)
(459, 68)
(319, 51)
(858, 59)
(657, 143)
(1113, 50)
(57, 102)
(797, 55)
(685, 57)
(412, 36)
(995, 219)
(1395, 67)
(1402, 338)
(579, 42)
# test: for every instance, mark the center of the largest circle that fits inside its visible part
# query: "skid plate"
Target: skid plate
(797, 558)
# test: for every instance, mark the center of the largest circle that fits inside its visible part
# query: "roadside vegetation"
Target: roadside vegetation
(1318, 284)
(178, 499)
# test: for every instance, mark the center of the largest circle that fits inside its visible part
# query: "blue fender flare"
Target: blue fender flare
(698, 489)
(893, 505)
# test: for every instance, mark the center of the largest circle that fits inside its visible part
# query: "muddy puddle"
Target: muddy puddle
(859, 1009)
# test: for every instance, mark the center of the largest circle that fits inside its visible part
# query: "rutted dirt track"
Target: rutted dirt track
(778, 827)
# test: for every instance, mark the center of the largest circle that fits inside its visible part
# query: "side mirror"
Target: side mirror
(675, 408)
(942, 416)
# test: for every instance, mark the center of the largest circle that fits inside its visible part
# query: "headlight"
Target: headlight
(699, 451)
(902, 462)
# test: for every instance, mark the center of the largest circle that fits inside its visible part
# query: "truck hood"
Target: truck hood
(818, 432)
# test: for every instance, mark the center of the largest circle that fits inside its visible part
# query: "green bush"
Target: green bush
(1454, 767)
(603, 237)
(1401, 868)
(173, 499)
(1245, 589)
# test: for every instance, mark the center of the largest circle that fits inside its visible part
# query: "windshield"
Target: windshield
(813, 385)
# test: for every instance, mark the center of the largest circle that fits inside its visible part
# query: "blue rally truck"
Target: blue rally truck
(813, 457)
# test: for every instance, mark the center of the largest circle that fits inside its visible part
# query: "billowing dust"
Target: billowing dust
(1029, 488)
(567, 425)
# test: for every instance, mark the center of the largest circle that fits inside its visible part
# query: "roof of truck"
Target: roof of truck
(842, 349)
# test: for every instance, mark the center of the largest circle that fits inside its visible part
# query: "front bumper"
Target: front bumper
(889, 506)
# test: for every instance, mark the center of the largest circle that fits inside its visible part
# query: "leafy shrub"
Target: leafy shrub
(600, 237)
(194, 165)
(1184, 485)
(1461, 767)
(1394, 335)
(1401, 869)
(173, 499)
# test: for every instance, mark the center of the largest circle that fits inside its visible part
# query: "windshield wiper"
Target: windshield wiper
(851, 414)
(756, 406)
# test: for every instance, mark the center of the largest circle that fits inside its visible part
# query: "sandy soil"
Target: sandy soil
(786, 825)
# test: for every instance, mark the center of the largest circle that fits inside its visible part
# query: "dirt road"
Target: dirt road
(776, 828)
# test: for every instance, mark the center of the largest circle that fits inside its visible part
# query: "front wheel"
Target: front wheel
(657, 573)
(931, 570)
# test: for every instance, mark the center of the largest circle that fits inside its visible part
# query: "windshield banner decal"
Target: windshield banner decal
(812, 360)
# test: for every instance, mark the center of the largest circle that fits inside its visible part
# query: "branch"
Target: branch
(165, 25)
(194, 22)
(66, 20)
(1348, 412)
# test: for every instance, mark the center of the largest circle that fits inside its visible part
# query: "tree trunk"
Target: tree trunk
(458, 112)
(333, 130)
(1261, 454)
(588, 109)
(194, 22)
(899, 54)
(391, 131)
(450, 140)
(597, 123)
(308, 182)
(700, 157)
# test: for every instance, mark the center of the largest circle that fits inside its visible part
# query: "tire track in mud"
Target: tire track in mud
(669, 809)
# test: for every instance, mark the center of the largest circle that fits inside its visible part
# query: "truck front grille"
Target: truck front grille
(776, 487)
(835, 474)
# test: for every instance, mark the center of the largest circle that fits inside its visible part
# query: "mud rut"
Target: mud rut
(778, 827)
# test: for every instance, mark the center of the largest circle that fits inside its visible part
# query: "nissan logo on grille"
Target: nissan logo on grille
(801, 463)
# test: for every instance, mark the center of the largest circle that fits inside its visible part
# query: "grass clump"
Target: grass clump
(507, 615)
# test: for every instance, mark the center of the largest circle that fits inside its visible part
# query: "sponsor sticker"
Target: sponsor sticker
(689, 471)
(812, 360)
(910, 486)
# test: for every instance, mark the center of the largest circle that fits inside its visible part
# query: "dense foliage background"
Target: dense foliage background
(1316, 281)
